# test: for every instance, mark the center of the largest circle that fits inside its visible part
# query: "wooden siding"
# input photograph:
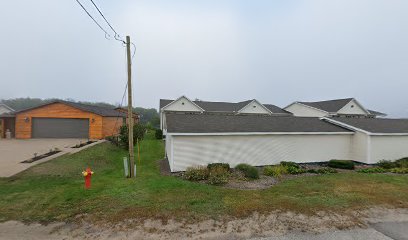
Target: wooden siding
(111, 126)
(57, 110)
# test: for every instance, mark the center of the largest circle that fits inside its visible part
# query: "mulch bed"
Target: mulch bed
(83, 144)
(36, 158)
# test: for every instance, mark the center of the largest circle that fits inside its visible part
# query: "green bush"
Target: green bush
(342, 164)
(158, 134)
(248, 170)
(402, 163)
(139, 131)
(373, 170)
(387, 164)
(196, 173)
(289, 164)
(399, 170)
(294, 170)
(226, 166)
(322, 170)
(218, 175)
(275, 171)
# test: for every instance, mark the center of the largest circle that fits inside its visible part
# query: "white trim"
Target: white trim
(388, 134)
(254, 100)
(259, 133)
(318, 109)
(359, 104)
(344, 125)
(202, 110)
(9, 108)
(172, 153)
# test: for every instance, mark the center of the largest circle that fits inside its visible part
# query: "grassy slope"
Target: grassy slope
(54, 191)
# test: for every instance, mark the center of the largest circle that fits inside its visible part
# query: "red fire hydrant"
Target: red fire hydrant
(87, 174)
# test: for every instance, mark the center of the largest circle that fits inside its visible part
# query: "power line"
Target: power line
(106, 20)
(82, 6)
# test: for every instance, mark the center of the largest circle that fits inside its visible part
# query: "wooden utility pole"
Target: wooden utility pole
(130, 110)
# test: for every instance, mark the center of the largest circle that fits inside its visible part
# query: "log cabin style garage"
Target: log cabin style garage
(63, 119)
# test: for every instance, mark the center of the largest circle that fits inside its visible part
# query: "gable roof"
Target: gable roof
(102, 111)
(329, 105)
(217, 123)
(375, 125)
(225, 106)
(5, 106)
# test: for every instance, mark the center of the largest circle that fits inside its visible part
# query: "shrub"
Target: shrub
(248, 170)
(290, 164)
(342, 164)
(399, 170)
(295, 170)
(138, 133)
(113, 139)
(226, 166)
(322, 171)
(373, 170)
(275, 171)
(218, 175)
(158, 134)
(196, 173)
(402, 163)
(387, 164)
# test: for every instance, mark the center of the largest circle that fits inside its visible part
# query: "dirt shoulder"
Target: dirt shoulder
(273, 224)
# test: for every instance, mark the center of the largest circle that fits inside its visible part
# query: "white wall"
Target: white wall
(256, 150)
(388, 148)
(352, 108)
(304, 111)
(4, 110)
(359, 147)
(254, 107)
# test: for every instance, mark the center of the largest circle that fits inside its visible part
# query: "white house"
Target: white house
(348, 107)
(198, 133)
(5, 109)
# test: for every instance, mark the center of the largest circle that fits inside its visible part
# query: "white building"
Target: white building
(198, 133)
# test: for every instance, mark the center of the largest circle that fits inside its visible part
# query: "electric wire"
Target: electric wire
(96, 22)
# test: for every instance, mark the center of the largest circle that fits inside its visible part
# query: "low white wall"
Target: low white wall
(255, 150)
(359, 147)
(388, 148)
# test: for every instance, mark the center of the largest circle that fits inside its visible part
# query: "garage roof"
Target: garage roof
(217, 123)
(376, 125)
(102, 111)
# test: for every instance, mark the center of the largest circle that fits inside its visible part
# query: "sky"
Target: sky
(276, 52)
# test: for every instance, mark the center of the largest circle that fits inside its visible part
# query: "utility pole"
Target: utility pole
(130, 110)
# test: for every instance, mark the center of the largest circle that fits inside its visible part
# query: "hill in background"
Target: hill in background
(147, 115)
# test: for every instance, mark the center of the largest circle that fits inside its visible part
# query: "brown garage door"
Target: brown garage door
(60, 128)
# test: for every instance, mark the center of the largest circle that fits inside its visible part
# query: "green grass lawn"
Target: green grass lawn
(53, 191)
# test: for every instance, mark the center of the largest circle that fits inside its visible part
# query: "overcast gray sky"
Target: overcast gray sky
(217, 50)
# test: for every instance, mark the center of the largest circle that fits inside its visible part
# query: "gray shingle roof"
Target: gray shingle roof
(372, 112)
(225, 106)
(377, 125)
(330, 105)
(102, 111)
(217, 123)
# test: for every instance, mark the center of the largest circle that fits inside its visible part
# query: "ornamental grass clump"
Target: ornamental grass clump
(196, 173)
(248, 170)
(218, 175)
(275, 171)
